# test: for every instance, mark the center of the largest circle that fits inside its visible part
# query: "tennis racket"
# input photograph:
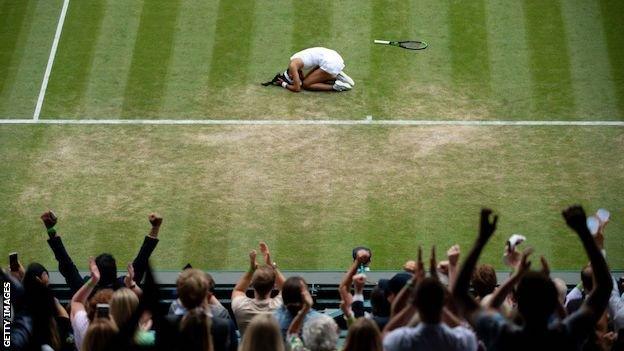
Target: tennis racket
(408, 44)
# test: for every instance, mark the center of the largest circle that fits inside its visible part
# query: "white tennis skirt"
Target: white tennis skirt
(332, 63)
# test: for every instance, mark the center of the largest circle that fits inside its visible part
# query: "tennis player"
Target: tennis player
(323, 71)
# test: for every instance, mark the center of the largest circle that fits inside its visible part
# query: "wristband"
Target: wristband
(91, 283)
(284, 84)
(51, 230)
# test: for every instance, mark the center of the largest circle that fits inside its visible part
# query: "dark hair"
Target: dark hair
(291, 294)
(263, 280)
(41, 306)
(363, 335)
(537, 297)
(195, 332)
(108, 269)
(429, 300)
(484, 280)
(379, 302)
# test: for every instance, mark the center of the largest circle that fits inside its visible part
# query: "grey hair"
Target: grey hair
(320, 334)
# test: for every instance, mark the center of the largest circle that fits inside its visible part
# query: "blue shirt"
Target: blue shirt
(284, 318)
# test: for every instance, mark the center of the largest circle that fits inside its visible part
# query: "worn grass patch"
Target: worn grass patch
(311, 191)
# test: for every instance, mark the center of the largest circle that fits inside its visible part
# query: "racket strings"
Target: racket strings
(413, 45)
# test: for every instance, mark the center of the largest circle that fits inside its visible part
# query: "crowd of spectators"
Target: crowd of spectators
(445, 306)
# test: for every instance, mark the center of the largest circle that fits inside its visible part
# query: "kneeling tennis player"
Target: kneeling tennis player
(323, 70)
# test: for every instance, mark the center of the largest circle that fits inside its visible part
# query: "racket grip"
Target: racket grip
(382, 42)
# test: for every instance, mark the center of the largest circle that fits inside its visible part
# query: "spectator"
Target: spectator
(99, 335)
(537, 298)
(105, 262)
(292, 304)
(354, 304)
(195, 331)
(193, 286)
(363, 335)
(262, 334)
(123, 304)
(216, 308)
(428, 301)
(81, 312)
(41, 321)
(263, 279)
(319, 334)
(484, 281)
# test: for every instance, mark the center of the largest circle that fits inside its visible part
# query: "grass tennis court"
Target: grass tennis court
(313, 192)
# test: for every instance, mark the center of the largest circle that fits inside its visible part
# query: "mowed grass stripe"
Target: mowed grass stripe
(612, 15)
(549, 60)
(594, 91)
(390, 20)
(312, 24)
(469, 48)
(30, 54)
(509, 60)
(74, 58)
(187, 77)
(153, 49)
(12, 19)
(232, 47)
(229, 63)
(112, 59)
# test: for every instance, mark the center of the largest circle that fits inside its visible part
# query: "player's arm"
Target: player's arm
(293, 72)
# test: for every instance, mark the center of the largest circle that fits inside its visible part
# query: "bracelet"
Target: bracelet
(284, 84)
(91, 283)
(51, 230)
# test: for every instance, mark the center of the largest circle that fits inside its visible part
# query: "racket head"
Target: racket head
(413, 45)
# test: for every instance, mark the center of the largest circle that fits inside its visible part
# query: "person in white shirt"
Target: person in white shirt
(431, 333)
(323, 70)
(263, 279)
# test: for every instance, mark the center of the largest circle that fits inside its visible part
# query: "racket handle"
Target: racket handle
(382, 42)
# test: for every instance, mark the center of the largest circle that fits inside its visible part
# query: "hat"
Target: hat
(396, 283)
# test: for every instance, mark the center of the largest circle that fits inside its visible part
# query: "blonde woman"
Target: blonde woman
(262, 334)
(99, 335)
(122, 305)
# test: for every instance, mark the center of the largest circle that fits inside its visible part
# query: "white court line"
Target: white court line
(46, 76)
(388, 122)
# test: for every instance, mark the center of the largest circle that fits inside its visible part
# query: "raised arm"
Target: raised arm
(240, 290)
(79, 300)
(402, 299)
(452, 254)
(297, 322)
(596, 302)
(499, 295)
(149, 244)
(279, 277)
(467, 305)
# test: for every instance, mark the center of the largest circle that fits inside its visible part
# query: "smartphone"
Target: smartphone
(102, 310)
(13, 262)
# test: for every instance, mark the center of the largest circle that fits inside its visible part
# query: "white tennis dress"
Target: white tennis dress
(326, 59)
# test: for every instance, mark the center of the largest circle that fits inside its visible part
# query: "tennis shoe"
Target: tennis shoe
(343, 77)
(342, 86)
